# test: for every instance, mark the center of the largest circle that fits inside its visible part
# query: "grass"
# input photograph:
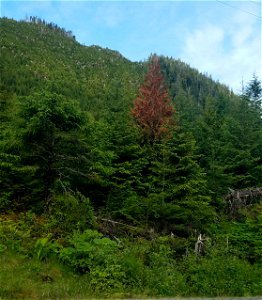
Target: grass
(23, 278)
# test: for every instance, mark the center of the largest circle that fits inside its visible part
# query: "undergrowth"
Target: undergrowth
(36, 264)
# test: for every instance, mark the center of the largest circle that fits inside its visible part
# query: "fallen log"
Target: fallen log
(241, 198)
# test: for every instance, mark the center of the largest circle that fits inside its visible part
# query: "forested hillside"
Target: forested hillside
(122, 178)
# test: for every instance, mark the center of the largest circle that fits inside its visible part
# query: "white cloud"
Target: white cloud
(202, 45)
(228, 48)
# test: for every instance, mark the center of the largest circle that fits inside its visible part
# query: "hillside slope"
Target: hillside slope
(36, 56)
(90, 207)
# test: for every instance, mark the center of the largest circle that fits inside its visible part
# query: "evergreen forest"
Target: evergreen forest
(123, 179)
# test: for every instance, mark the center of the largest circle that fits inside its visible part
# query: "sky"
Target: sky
(219, 38)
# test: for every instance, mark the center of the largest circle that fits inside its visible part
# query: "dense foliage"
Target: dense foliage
(113, 174)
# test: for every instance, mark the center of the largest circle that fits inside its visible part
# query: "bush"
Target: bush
(45, 248)
(15, 233)
(90, 252)
(87, 250)
(220, 274)
(69, 212)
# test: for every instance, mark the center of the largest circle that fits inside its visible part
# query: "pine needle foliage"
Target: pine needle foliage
(153, 110)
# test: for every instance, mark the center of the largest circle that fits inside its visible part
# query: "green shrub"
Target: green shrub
(90, 252)
(87, 250)
(45, 248)
(134, 259)
(108, 278)
(14, 234)
(69, 212)
(220, 274)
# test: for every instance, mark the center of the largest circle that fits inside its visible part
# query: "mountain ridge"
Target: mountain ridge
(80, 60)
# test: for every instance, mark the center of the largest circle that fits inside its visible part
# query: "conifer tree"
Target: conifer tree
(253, 92)
(153, 110)
(49, 134)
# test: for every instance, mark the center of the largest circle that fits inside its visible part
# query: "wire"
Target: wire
(245, 11)
(255, 2)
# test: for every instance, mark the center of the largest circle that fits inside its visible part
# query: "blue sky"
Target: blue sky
(220, 38)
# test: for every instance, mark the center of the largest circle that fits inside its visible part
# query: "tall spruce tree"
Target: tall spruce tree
(49, 133)
(153, 110)
(13, 174)
(175, 195)
(253, 92)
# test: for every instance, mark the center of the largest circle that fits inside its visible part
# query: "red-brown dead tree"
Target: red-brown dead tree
(153, 110)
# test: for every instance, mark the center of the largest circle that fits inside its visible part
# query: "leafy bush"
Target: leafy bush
(90, 252)
(220, 274)
(87, 250)
(45, 248)
(246, 236)
(150, 268)
(69, 212)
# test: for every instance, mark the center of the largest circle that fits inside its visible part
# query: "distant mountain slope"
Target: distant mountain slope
(36, 56)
